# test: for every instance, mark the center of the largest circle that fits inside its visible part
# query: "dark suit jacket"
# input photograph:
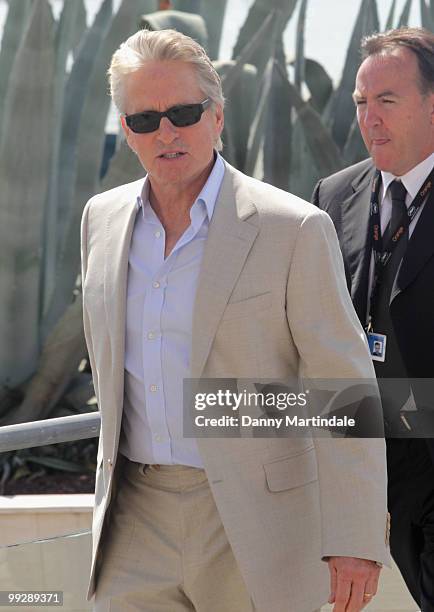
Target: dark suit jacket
(345, 197)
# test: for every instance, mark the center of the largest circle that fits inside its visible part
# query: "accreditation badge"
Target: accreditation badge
(377, 346)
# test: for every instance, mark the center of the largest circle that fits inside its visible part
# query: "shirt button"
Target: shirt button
(156, 284)
(153, 388)
(151, 336)
(157, 438)
(157, 234)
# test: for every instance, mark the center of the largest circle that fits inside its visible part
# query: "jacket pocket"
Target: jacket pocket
(247, 307)
(292, 472)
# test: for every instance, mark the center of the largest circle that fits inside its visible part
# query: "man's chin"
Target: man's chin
(382, 163)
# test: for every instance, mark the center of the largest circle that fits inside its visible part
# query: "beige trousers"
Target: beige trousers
(165, 548)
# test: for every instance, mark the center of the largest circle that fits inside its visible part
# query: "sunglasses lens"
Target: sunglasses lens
(143, 122)
(182, 116)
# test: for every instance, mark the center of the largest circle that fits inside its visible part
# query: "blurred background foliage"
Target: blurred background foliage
(286, 123)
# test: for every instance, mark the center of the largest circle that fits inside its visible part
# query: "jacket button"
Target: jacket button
(110, 463)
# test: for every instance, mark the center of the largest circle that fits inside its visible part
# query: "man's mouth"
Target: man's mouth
(171, 155)
(379, 141)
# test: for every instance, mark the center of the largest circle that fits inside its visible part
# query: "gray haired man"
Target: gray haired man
(200, 271)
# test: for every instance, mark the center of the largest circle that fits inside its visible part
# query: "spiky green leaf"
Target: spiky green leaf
(323, 149)
(391, 16)
(258, 13)
(124, 168)
(72, 25)
(63, 350)
(254, 161)
(267, 30)
(405, 15)
(354, 150)
(189, 6)
(89, 149)
(190, 25)
(64, 42)
(80, 28)
(319, 84)
(342, 106)
(303, 173)
(55, 463)
(75, 95)
(21, 472)
(299, 75)
(18, 14)
(25, 155)
(425, 16)
(240, 107)
(278, 131)
(214, 14)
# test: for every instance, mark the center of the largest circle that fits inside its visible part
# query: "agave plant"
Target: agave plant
(45, 183)
(53, 86)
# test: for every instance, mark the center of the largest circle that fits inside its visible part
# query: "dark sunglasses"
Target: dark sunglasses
(181, 116)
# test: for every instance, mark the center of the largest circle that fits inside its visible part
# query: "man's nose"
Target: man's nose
(167, 132)
(371, 117)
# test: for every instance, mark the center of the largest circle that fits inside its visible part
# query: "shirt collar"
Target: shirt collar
(207, 196)
(413, 179)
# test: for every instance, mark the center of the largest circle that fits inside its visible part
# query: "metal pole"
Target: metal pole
(49, 431)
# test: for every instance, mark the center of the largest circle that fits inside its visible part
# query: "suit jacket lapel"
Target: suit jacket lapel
(120, 225)
(420, 248)
(356, 239)
(229, 241)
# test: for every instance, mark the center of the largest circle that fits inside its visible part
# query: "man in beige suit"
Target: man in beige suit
(200, 271)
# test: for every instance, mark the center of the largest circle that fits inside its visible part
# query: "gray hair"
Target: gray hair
(161, 45)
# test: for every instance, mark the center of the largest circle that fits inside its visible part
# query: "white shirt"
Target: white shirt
(412, 181)
(160, 299)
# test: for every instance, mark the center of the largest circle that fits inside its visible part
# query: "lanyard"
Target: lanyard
(382, 253)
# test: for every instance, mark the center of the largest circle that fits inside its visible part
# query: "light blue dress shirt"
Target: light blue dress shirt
(160, 300)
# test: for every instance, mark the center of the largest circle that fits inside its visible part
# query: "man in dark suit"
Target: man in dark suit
(383, 211)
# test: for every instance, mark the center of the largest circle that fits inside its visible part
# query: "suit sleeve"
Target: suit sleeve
(332, 345)
(320, 313)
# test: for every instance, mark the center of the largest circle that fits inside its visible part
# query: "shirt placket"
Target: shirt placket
(152, 339)
(153, 310)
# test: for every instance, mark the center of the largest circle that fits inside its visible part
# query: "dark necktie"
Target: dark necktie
(398, 194)
(395, 393)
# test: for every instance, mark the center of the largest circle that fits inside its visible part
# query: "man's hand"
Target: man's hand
(353, 583)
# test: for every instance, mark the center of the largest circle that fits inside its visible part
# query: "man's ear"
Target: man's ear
(432, 107)
(128, 134)
(220, 120)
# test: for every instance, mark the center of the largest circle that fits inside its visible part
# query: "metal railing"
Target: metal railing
(49, 431)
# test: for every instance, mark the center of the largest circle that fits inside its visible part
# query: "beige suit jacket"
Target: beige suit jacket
(271, 303)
